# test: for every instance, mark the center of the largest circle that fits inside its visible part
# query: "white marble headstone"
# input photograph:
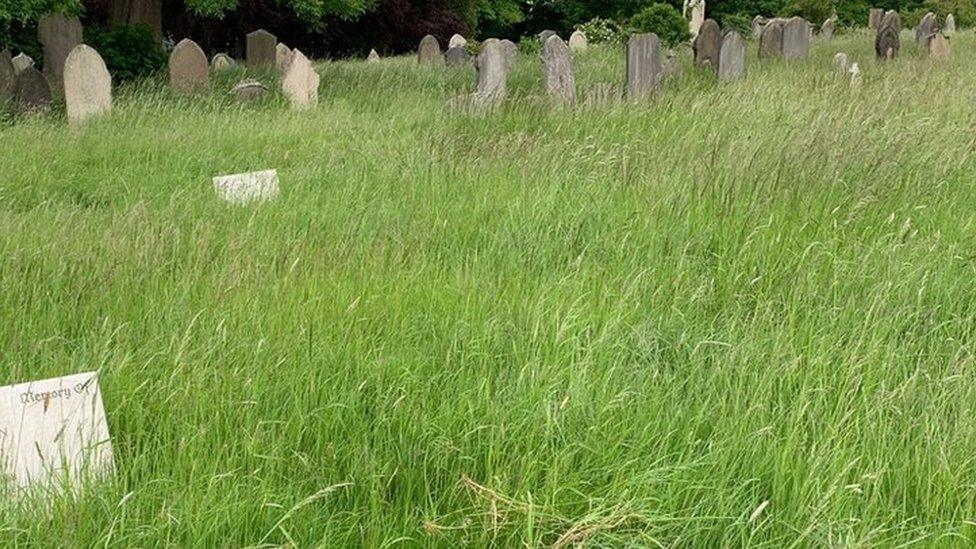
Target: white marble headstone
(245, 187)
(54, 431)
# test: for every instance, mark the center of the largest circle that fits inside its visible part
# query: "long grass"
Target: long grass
(736, 315)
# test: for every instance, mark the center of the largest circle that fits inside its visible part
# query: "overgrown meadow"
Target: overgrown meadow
(736, 315)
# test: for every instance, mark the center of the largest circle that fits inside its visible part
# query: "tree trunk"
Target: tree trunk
(147, 13)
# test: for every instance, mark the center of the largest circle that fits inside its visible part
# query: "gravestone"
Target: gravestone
(707, 45)
(643, 65)
(260, 49)
(300, 83)
(188, 70)
(56, 433)
(827, 29)
(557, 70)
(732, 58)
(31, 90)
(671, 67)
(511, 53)
(697, 17)
(492, 78)
(601, 94)
(7, 76)
(841, 62)
(58, 34)
(457, 56)
(891, 19)
(950, 25)
(577, 41)
(282, 56)
(874, 18)
(21, 61)
(545, 35)
(249, 90)
(925, 29)
(771, 40)
(939, 47)
(429, 52)
(855, 74)
(247, 187)
(886, 42)
(373, 57)
(457, 41)
(222, 62)
(758, 23)
(796, 39)
(87, 85)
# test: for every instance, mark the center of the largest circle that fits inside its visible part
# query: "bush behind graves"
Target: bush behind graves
(602, 31)
(740, 23)
(664, 21)
(129, 52)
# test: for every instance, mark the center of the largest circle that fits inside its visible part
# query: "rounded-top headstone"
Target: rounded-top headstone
(644, 69)
(282, 56)
(950, 24)
(796, 38)
(887, 41)
(429, 51)
(457, 56)
(457, 41)
(21, 61)
(928, 26)
(707, 45)
(577, 41)
(31, 90)
(59, 34)
(545, 35)
(261, 46)
(7, 75)
(827, 29)
(732, 57)
(222, 62)
(511, 53)
(892, 19)
(300, 83)
(492, 77)
(87, 85)
(188, 69)
(557, 69)
(841, 62)
(771, 40)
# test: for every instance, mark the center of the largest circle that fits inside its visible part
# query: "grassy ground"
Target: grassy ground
(736, 315)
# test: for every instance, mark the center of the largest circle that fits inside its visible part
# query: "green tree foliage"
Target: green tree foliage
(129, 52)
(664, 21)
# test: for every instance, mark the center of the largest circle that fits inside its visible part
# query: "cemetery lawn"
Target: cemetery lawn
(739, 315)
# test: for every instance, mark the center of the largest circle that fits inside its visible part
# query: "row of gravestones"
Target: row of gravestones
(21, 82)
(723, 53)
(788, 39)
(928, 36)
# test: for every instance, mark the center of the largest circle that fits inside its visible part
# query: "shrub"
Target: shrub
(664, 21)
(602, 31)
(740, 23)
(129, 52)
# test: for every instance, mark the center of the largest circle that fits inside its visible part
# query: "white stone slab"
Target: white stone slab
(245, 187)
(54, 433)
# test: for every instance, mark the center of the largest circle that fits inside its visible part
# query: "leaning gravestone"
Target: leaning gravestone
(282, 56)
(261, 49)
(56, 433)
(300, 83)
(188, 70)
(457, 41)
(827, 29)
(373, 57)
(31, 90)
(950, 25)
(7, 76)
(457, 56)
(707, 45)
(874, 18)
(59, 35)
(557, 68)
(577, 41)
(732, 58)
(21, 62)
(87, 85)
(246, 187)
(925, 29)
(492, 74)
(886, 42)
(796, 39)
(222, 62)
(511, 53)
(841, 62)
(429, 52)
(249, 90)
(643, 65)
(939, 47)
(771, 40)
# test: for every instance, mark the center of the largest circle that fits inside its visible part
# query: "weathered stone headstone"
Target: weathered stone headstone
(545, 35)
(87, 85)
(601, 94)
(672, 66)
(373, 57)
(796, 39)
(511, 53)
(249, 90)
(58, 34)
(31, 90)
(926, 28)
(697, 17)
(577, 41)
(429, 52)
(492, 79)
(841, 62)
(222, 62)
(188, 70)
(643, 65)
(261, 49)
(950, 25)
(282, 56)
(246, 187)
(855, 74)
(557, 70)
(771, 40)
(827, 29)
(21, 61)
(457, 57)
(758, 22)
(939, 47)
(707, 45)
(891, 19)
(7, 76)
(874, 18)
(300, 83)
(732, 58)
(53, 433)
(457, 41)
(886, 42)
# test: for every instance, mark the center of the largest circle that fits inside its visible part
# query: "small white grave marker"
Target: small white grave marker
(53, 431)
(245, 187)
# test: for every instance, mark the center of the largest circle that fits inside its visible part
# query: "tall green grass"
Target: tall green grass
(737, 315)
